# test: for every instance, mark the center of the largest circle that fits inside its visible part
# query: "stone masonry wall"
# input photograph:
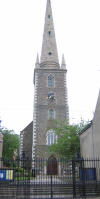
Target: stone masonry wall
(59, 106)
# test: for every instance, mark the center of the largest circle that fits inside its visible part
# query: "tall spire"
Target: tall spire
(49, 48)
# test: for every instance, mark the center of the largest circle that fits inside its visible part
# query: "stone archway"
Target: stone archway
(52, 167)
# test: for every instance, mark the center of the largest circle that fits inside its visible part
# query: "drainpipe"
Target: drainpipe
(92, 141)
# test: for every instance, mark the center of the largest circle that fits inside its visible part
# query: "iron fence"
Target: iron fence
(49, 178)
(86, 178)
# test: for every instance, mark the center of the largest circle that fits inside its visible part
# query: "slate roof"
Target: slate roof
(86, 127)
(31, 123)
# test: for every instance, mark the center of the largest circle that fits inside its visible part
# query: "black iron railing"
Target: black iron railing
(49, 178)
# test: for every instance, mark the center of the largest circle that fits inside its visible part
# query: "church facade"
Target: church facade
(50, 93)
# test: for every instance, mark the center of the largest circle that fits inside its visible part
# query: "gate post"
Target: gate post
(51, 187)
(51, 178)
(74, 178)
(83, 176)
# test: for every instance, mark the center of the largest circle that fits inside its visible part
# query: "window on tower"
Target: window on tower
(51, 114)
(51, 137)
(50, 81)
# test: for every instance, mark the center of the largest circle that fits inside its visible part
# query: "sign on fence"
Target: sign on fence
(6, 175)
(88, 174)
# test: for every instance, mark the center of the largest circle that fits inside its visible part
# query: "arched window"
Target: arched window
(50, 81)
(51, 114)
(51, 137)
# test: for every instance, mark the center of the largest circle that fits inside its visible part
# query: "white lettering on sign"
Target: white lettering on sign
(1, 175)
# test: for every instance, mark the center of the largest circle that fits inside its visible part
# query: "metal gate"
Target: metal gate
(52, 179)
(86, 178)
(49, 178)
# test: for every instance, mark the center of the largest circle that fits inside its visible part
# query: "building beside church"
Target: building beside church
(1, 146)
(50, 95)
(90, 136)
(26, 141)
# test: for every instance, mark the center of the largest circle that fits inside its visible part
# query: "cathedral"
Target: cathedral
(50, 95)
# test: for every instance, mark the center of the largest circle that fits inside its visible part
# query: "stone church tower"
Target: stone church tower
(50, 91)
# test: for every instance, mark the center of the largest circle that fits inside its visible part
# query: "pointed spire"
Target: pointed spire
(49, 48)
(37, 61)
(63, 65)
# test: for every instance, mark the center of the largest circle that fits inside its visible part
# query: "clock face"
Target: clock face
(51, 97)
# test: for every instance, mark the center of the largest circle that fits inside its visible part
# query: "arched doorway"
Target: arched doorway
(52, 166)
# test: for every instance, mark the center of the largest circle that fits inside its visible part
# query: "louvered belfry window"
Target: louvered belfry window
(50, 81)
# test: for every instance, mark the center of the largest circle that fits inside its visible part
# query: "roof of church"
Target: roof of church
(28, 126)
(97, 113)
(86, 127)
(97, 109)
(49, 48)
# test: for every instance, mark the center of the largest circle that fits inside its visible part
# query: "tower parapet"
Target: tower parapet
(63, 64)
(37, 64)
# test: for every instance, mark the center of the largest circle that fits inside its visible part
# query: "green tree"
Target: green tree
(10, 143)
(68, 143)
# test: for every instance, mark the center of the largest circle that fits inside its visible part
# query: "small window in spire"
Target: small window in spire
(50, 53)
(49, 16)
(49, 32)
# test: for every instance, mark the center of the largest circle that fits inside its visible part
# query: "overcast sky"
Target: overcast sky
(77, 28)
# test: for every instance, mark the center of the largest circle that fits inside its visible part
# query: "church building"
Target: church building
(90, 136)
(50, 95)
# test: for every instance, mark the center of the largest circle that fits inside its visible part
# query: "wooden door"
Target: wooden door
(52, 166)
